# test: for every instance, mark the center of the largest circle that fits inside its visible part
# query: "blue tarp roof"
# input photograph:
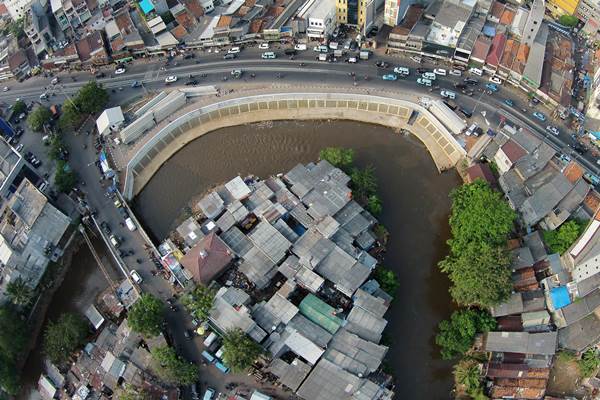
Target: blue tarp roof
(595, 134)
(560, 297)
(146, 6)
(489, 31)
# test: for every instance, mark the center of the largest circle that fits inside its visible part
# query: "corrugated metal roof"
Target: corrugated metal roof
(320, 313)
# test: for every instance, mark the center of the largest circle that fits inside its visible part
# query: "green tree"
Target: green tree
(19, 107)
(199, 302)
(338, 157)
(456, 335)
(38, 117)
(364, 183)
(387, 279)
(64, 179)
(171, 368)
(147, 315)
(9, 380)
(131, 393)
(13, 332)
(64, 336)
(561, 239)
(91, 98)
(479, 215)
(374, 205)
(568, 20)
(19, 292)
(589, 363)
(239, 351)
(16, 28)
(479, 275)
(466, 374)
(56, 145)
(70, 115)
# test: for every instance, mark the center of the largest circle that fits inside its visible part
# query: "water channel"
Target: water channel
(416, 208)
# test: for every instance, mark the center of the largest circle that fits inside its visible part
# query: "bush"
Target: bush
(199, 302)
(239, 351)
(387, 279)
(589, 363)
(559, 240)
(456, 335)
(374, 205)
(364, 183)
(338, 157)
(147, 315)
(64, 336)
(466, 374)
(568, 20)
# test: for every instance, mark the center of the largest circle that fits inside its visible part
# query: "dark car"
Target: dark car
(471, 81)
(229, 56)
(105, 227)
(100, 75)
(460, 86)
(382, 64)
(290, 52)
(191, 83)
(189, 56)
(421, 70)
(465, 112)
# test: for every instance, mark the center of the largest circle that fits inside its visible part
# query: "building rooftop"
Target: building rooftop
(290, 375)
(354, 354)
(207, 259)
(521, 342)
(320, 313)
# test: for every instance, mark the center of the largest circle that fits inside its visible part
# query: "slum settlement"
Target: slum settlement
(289, 259)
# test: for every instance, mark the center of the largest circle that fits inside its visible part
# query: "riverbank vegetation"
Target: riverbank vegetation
(387, 279)
(239, 351)
(467, 378)
(589, 363)
(456, 335)
(559, 240)
(480, 223)
(64, 336)
(363, 181)
(147, 315)
(13, 339)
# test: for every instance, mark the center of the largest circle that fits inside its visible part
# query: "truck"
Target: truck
(323, 57)
(447, 117)
(364, 54)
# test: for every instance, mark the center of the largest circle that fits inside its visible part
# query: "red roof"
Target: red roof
(502, 370)
(510, 323)
(207, 259)
(496, 50)
(573, 172)
(3, 9)
(481, 48)
(482, 171)
(513, 151)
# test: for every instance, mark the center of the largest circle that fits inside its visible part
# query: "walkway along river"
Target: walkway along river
(416, 207)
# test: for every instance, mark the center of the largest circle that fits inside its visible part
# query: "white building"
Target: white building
(391, 12)
(110, 120)
(320, 17)
(534, 22)
(583, 257)
(17, 8)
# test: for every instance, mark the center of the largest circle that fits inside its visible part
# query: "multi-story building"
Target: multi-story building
(562, 7)
(360, 13)
(320, 18)
(587, 9)
(70, 13)
(37, 27)
(60, 14)
(534, 22)
(17, 8)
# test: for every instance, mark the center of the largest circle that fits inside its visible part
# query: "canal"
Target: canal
(416, 208)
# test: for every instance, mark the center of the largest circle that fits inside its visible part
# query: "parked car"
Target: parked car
(229, 56)
(135, 276)
(300, 47)
(492, 86)
(120, 70)
(100, 75)
(455, 72)
(263, 46)
(440, 71)
(402, 71)
(382, 64)
(114, 241)
(209, 394)
(170, 79)
(460, 86)
(390, 77)
(509, 102)
(269, 55)
(539, 116)
(496, 80)
(471, 81)
(233, 50)
(429, 75)
(552, 129)
(423, 81)
(448, 94)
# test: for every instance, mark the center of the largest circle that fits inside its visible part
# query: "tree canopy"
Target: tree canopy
(91, 98)
(19, 107)
(69, 116)
(171, 368)
(568, 20)
(561, 239)
(467, 376)
(64, 179)
(338, 157)
(147, 315)
(239, 351)
(589, 363)
(480, 222)
(38, 117)
(387, 279)
(199, 302)
(19, 292)
(64, 336)
(456, 335)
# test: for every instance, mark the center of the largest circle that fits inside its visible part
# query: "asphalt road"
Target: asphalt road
(314, 73)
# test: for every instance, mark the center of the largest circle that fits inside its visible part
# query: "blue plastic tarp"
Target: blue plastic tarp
(146, 6)
(560, 297)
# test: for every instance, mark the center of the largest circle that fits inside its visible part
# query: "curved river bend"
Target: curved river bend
(416, 207)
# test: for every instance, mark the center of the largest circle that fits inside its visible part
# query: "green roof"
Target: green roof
(320, 313)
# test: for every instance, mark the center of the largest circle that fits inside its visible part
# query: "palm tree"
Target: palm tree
(19, 292)
(467, 374)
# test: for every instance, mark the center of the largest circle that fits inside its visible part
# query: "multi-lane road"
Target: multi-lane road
(211, 69)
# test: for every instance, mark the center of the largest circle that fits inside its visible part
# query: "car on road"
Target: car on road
(209, 394)
(509, 102)
(105, 227)
(471, 81)
(100, 75)
(448, 94)
(539, 116)
(440, 71)
(120, 70)
(390, 77)
(423, 81)
(171, 79)
(5, 89)
(382, 64)
(460, 86)
(135, 84)
(465, 112)
(429, 75)
(55, 80)
(43, 96)
(234, 50)
(455, 72)
(114, 241)
(468, 92)
(135, 276)
(19, 147)
(496, 80)
(187, 335)
(268, 55)
(402, 71)
(492, 86)
(552, 129)
(300, 47)
(229, 56)
(192, 83)
(263, 46)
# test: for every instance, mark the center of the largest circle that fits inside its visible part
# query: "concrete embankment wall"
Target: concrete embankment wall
(442, 146)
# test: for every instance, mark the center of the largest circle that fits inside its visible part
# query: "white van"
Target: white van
(300, 47)
(471, 130)
(402, 71)
(429, 75)
(476, 71)
(219, 353)
(268, 55)
(130, 225)
(135, 276)
(210, 339)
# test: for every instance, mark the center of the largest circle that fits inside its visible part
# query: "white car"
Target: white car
(448, 94)
(416, 59)
(233, 50)
(263, 46)
(300, 47)
(120, 71)
(455, 72)
(135, 276)
(5, 89)
(495, 80)
(553, 130)
(440, 71)
(171, 79)
(269, 55)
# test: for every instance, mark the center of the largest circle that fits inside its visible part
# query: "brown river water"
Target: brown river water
(416, 207)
